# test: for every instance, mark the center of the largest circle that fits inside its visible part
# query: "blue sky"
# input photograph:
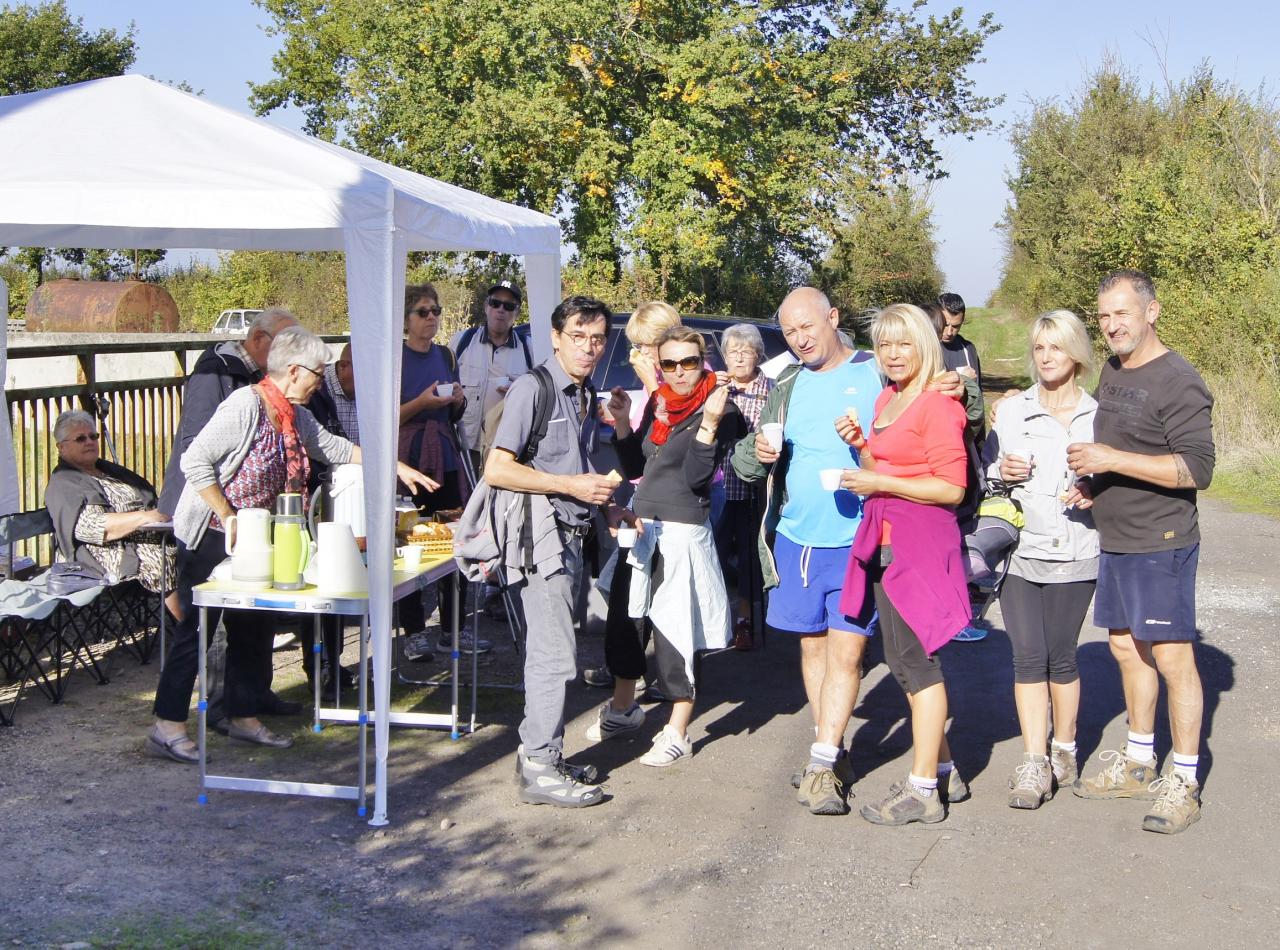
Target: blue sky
(1044, 50)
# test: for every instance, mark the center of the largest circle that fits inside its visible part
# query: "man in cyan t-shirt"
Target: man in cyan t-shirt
(815, 527)
(1153, 451)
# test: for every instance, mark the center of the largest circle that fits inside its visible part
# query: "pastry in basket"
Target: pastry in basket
(431, 533)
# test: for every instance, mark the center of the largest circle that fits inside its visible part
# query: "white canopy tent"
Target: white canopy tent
(131, 163)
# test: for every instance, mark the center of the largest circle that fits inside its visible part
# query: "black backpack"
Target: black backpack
(470, 334)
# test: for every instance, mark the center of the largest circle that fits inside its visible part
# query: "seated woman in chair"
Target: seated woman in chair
(98, 507)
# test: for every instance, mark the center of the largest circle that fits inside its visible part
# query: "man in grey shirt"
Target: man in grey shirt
(561, 470)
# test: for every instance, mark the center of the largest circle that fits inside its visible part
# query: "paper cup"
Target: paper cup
(501, 381)
(830, 478)
(1022, 455)
(444, 389)
(411, 554)
(627, 537)
(773, 434)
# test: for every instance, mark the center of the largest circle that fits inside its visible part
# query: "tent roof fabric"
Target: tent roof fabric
(97, 163)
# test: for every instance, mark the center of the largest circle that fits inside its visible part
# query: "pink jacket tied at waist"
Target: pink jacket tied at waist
(926, 580)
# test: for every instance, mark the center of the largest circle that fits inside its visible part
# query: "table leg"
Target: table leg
(457, 624)
(315, 669)
(202, 706)
(164, 573)
(364, 713)
(476, 591)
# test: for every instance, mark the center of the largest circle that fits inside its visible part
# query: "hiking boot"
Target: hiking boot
(1031, 783)
(905, 804)
(586, 774)
(1177, 805)
(1123, 778)
(1065, 770)
(668, 748)
(554, 783)
(952, 787)
(824, 791)
(843, 770)
(610, 724)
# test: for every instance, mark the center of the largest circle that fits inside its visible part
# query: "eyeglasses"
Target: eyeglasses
(687, 364)
(582, 341)
(84, 437)
(314, 372)
(425, 312)
(507, 305)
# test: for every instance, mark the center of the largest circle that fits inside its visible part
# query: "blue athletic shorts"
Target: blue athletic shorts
(1151, 595)
(807, 598)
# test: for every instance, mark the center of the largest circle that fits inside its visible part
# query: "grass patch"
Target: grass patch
(1255, 490)
(203, 932)
(1246, 430)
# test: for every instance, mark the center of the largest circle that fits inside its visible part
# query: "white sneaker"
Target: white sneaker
(609, 724)
(668, 747)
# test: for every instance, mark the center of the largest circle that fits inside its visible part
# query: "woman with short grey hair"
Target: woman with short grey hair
(294, 346)
(744, 335)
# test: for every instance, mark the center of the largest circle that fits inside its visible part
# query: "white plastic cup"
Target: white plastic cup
(501, 381)
(445, 390)
(627, 537)
(773, 434)
(1022, 455)
(830, 478)
(411, 554)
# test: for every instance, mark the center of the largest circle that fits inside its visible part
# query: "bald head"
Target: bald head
(810, 324)
(346, 375)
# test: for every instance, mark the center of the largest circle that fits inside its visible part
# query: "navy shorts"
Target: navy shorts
(807, 598)
(1153, 595)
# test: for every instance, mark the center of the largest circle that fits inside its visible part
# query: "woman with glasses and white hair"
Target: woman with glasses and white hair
(98, 509)
(256, 447)
(1054, 568)
(737, 522)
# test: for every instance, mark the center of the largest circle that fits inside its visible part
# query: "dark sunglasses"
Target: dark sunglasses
(425, 312)
(507, 305)
(686, 364)
(84, 437)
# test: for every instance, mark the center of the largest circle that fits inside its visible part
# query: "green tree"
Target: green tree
(716, 143)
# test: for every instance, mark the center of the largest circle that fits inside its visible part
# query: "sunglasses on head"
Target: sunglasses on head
(507, 305)
(84, 437)
(425, 312)
(686, 364)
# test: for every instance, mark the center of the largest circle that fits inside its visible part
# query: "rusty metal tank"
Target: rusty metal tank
(96, 306)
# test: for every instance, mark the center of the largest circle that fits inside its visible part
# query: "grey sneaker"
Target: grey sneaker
(417, 647)
(1123, 778)
(467, 643)
(586, 774)
(952, 787)
(1177, 806)
(555, 783)
(1031, 783)
(598, 676)
(1065, 770)
(609, 724)
(903, 805)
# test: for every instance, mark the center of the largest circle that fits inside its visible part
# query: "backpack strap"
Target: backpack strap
(524, 345)
(544, 404)
(465, 340)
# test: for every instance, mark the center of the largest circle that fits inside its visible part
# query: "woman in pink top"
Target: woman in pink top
(913, 474)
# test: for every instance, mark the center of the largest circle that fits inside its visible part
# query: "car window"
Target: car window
(221, 323)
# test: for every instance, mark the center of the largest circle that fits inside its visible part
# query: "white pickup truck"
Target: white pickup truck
(234, 321)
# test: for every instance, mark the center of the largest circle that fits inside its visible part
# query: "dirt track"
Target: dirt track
(104, 845)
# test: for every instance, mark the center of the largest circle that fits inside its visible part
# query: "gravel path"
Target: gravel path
(105, 846)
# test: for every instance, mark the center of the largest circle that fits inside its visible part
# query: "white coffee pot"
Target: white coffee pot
(252, 554)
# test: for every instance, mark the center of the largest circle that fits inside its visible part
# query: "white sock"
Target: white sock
(1141, 748)
(1185, 765)
(945, 767)
(925, 786)
(822, 755)
(1064, 746)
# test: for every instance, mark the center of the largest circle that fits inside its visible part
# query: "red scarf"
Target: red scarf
(677, 408)
(296, 465)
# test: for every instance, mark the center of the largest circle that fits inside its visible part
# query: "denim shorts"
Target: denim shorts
(1153, 595)
(807, 598)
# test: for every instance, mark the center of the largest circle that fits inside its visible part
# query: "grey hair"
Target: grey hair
(294, 345)
(69, 420)
(1141, 283)
(744, 333)
(270, 319)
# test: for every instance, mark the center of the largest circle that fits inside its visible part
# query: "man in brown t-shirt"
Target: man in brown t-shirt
(1153, 451)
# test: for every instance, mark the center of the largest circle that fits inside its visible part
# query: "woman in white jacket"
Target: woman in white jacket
(1055, 566)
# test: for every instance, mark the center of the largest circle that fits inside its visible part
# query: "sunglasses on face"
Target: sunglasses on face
(687, 364)
(83, 437)
(425, 312)
(507, 305)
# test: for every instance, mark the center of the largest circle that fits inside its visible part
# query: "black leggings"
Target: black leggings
(625, 638)
(914, 669)
(412, 616)
(1043, 622)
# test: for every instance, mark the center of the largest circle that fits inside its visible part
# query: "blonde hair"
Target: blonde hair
(649, 321)
(683, 334)
(1066, 331)
(904, 321)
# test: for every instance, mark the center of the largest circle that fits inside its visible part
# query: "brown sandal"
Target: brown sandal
(162, 748)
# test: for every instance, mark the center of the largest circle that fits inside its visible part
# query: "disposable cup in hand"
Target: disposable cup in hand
(1022, 455)
(445, 390)
(773, 434)
(412, 556)
(830, 478)
(627, 537)
(501, 381)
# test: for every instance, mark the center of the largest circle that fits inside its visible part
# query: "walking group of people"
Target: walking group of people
(860, 457)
